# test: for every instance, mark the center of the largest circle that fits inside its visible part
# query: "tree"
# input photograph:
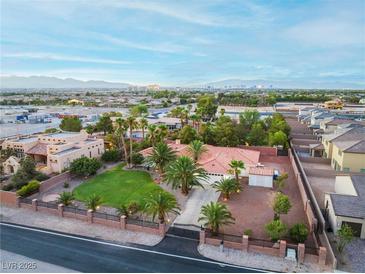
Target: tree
(105, 124)
(71, 124)
(160, 204)
(215, 215)
(161, 133)
(160, 156)
(345, 235)
(25, 173)
(206, 132)
(112, 155)
(236, 167)
(143, 124)
(139, 110)
(120, 131)
(227, 187)
(184, 173)
(85, 166)
(225, 132)
(196, 149)
(152, 134)
(276, 229)
(122, 210)
(257, 135)
(66, 198)
(132, 124)
(280, 181)
(187, 134)
(90, 129)
(222, 111)
(207, 107)
(248, 118)
(298, 233)
(281, 205)
(93, 202)
(278, 138)
(137, 158)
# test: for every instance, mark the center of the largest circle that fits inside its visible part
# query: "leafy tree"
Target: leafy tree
(280, 181)
(187, 134)
(207, 107)
(278, 138)
(93, 202)
(160, 204)
(139, 110)
(196, 149)
(206, 131)
(236, 167)
(66, 198)
(299, 233)
(276, 229)
(225, 132)
(132, 124)
(105, 124)
(278, 123)
(257, 135)
(184, 173)
(345, 235)
(90, 129)
(160, 157)
(214, 215)
(85, 166)
(248, 118)
(72, 124)
(227, 187)
(25, 173)
(112, 155)
(281, 205)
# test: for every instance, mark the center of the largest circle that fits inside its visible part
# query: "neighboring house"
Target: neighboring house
(347, 204)
(330, 126)
(216, 159)
(57, 150)
(346, 149)
(11, 165)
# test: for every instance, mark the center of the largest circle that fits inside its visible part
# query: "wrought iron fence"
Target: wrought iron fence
(52, 205)
(106, 216)
(262, 242)
(26, 200)
(224, 237)
(141, 222)
(75, 210)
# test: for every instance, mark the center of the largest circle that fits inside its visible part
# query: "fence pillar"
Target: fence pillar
(17, 201)
(161, 229)
(35, 204)
(301, 253)
(322, 255)
(60, 208)
(123, 222)
(245, 243)
(202, 236)
(282, 248)
(90, 216)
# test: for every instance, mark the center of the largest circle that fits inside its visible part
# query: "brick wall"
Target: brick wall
(55, 180)
(264, 151)
(8, 198)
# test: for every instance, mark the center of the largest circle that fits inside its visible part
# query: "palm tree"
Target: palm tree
(132, 124)
(123, 210)
(152, 134)
(236, 166)
(185, 173)
(66, 198)
(143, 123)
(121, 129)
(161, 155)
(194, 119)
(93, 202)
(160, 204)
(161, 133)
(222, 111)
(215, 215)
(227, 186)
(197, 148)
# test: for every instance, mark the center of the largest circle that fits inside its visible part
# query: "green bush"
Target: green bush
(29, 188)
(247, 232)
(298, 233)
(41, 177)
(8, 187)
(276, 229)
(137, 158)
(112, 155)
(85, 166)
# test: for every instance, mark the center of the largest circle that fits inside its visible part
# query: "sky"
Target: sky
(180, 43)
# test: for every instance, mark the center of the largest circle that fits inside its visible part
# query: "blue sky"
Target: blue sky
(185, 42)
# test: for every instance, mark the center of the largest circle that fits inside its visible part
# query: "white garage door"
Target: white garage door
(260, 180)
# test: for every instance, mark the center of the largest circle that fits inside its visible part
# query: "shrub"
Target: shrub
(8, 187)
(276, 229)
(112, 155)
(137, 158)
(133, 207)
(298, 233)
(281, 205)
(66, 198)
(85, 166)
(247, 232)
(41, 177)
(345, 235)
(29, 188)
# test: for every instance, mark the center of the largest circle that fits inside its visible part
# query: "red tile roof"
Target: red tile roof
(38, 149)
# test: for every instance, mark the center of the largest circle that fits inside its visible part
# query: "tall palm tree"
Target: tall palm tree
(93, 202)
(215, 215)
(194, 119)
(132, 124)
(143, 124)
(121, 129)
(236, 166)
(152, 134)
(66, 198)
(185, 173)
(197, 148)
(161, 133)
(160, 204)
(161, 155)
(227, 187)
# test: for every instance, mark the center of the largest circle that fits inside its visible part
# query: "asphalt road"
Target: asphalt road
(92, 255)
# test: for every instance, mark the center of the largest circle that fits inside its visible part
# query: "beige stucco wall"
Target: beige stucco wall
(354, 161)
(327, 147)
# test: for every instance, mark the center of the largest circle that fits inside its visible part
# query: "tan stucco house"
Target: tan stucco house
(11, 165)
(347, 204)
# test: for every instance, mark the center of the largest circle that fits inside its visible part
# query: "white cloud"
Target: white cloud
(60, 57)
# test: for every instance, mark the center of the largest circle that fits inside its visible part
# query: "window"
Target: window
(346, 169)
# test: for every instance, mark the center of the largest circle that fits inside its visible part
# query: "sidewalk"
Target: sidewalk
(256, 260)
(52, 222)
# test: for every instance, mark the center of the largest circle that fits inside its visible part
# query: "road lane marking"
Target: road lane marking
(130, 247)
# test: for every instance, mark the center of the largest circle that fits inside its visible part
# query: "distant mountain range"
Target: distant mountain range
(54, 82)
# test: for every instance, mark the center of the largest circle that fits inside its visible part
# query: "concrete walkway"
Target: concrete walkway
(197, 198)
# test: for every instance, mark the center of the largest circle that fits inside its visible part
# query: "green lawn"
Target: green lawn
(118, 186)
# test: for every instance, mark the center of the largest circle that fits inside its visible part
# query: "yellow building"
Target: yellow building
(75, 102)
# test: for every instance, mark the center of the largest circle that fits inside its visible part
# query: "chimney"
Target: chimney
(178, 141)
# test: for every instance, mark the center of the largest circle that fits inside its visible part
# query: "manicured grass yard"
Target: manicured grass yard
(118, 186)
